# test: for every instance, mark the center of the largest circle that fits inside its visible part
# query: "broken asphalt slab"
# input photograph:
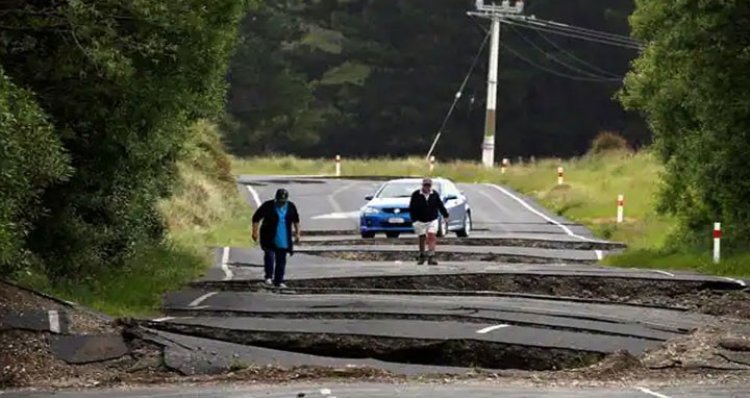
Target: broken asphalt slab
(191, 355)
(85, 349)
(541, 241)
(624, 320)
(53, 321)
(246, 330)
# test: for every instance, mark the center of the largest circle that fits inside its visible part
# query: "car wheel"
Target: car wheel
(368, 235)
(442, 228)
(392, 235)
(466, 230)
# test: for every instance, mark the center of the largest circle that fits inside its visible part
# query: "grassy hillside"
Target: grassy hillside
(205, 210)
(589, 195)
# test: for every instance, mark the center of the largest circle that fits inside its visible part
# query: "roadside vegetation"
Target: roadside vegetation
(112, 178)
(589, 196)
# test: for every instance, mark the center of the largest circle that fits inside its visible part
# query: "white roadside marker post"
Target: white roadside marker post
(338, 165)
(620, 209)
(432, 164)
(504, 166)
(560, 176)
(717, 243)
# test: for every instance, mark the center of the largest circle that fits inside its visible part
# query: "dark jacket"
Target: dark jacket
(267, 214)
(426, 210)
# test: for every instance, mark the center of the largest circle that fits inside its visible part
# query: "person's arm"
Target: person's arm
(295, 224)
(257, 218)
(413, 202)
(442, 208)
(297, 233)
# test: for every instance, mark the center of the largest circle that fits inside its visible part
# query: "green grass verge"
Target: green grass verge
(137, 289)
(592, 184)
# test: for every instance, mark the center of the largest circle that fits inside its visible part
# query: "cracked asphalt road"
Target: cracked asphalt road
(321, 325)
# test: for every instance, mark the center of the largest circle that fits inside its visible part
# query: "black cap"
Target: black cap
(282, 195)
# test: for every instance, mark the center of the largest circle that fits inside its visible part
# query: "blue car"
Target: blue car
(387, 211)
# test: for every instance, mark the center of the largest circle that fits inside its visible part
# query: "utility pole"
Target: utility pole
(495, 13)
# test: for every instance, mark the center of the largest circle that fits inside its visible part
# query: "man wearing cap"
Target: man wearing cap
(278, 217)
(425, 207)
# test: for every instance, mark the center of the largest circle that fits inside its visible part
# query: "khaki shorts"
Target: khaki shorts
(424, 228)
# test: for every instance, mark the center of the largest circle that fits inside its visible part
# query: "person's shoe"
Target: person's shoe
(282, 286)
(269, 282)
(432, 261)
(421, 259)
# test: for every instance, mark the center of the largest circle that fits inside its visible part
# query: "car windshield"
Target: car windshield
(401, 189)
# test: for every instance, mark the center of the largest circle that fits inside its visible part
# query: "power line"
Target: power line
(574, 57)
(577, 35)
(458, 95)
(558, 73)
(575, 29)
(599, 79)
(554, 58)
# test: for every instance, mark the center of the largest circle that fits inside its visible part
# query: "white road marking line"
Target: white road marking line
(652, 393)
(498, 204)
(202, 298)
(325, 391)
(54, 321)
(669, 274)
(737, 281)
(491, 328)
(164, 319)
(254, 194)
(337, 216)
(228, 275)
(332, 197)
(539, 213)
(599, 255)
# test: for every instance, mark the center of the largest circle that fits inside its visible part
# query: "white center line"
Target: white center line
(164, 319)
(228, 275)
(202, 298)
(332, 197)
(254, 194)
(325, 391)
(669, 274)
(491, 328)
(54, 321)
(539, 213)
(652, 393)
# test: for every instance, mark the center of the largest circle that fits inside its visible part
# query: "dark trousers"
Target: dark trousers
(277, 257)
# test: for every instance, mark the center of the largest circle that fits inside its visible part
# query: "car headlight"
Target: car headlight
(370, 210)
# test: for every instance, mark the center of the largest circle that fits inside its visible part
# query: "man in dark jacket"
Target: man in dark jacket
(425, 207)
(278, 217)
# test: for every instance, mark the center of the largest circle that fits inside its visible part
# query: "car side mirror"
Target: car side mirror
(369, 197)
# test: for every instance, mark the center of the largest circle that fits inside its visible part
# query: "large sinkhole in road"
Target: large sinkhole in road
(451, 353)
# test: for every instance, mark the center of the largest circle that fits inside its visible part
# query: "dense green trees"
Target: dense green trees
(692, 83)
(373, 78)
(31, 159)
(119, 82)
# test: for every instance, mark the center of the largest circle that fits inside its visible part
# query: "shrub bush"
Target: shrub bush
(608, 141)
